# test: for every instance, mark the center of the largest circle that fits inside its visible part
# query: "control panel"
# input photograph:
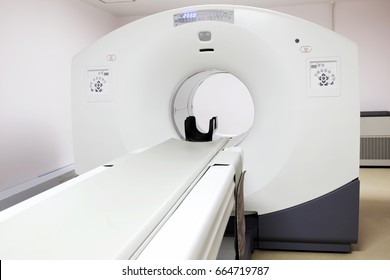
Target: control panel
(323, 77)
(98, 85)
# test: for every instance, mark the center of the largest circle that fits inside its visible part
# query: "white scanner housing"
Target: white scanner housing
(134, 88)
(304, 141)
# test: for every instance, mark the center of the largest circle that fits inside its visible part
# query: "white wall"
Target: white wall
(368, 24)
(318, 13)
(38, 40)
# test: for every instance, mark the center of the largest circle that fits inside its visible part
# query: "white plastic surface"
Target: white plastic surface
(193, 232)
(107, 213)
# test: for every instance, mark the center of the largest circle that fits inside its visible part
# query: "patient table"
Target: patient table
(142, 205)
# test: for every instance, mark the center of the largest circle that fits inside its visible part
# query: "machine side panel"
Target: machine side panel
(328, 221)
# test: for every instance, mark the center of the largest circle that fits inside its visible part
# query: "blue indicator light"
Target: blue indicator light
(189, 15)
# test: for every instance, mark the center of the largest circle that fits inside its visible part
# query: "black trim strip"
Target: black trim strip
(206, 50)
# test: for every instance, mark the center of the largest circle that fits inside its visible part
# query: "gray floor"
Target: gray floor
(226, 251)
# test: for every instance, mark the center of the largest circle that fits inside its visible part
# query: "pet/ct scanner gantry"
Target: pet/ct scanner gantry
(135, 87)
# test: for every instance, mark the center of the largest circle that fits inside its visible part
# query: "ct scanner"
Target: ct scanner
(135, 87)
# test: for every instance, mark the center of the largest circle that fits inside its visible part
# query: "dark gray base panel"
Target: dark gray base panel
(328, 224)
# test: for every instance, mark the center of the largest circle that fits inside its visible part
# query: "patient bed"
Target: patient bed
(172, 201)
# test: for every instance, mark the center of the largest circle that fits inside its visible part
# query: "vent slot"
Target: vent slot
(377, 148)
(206, 50)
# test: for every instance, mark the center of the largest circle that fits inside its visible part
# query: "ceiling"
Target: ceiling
(138, 8)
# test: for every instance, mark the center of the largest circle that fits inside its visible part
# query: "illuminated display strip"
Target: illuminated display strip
(204, 15)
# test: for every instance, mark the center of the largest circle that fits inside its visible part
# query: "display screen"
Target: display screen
(189, 15)
(203, 15)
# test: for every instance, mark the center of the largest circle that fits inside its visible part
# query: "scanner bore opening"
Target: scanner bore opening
(214, 93)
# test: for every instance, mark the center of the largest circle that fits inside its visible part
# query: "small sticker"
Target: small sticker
(306, 49)
(111, 57)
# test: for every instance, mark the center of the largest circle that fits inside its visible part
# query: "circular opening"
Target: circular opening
(214, 93)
